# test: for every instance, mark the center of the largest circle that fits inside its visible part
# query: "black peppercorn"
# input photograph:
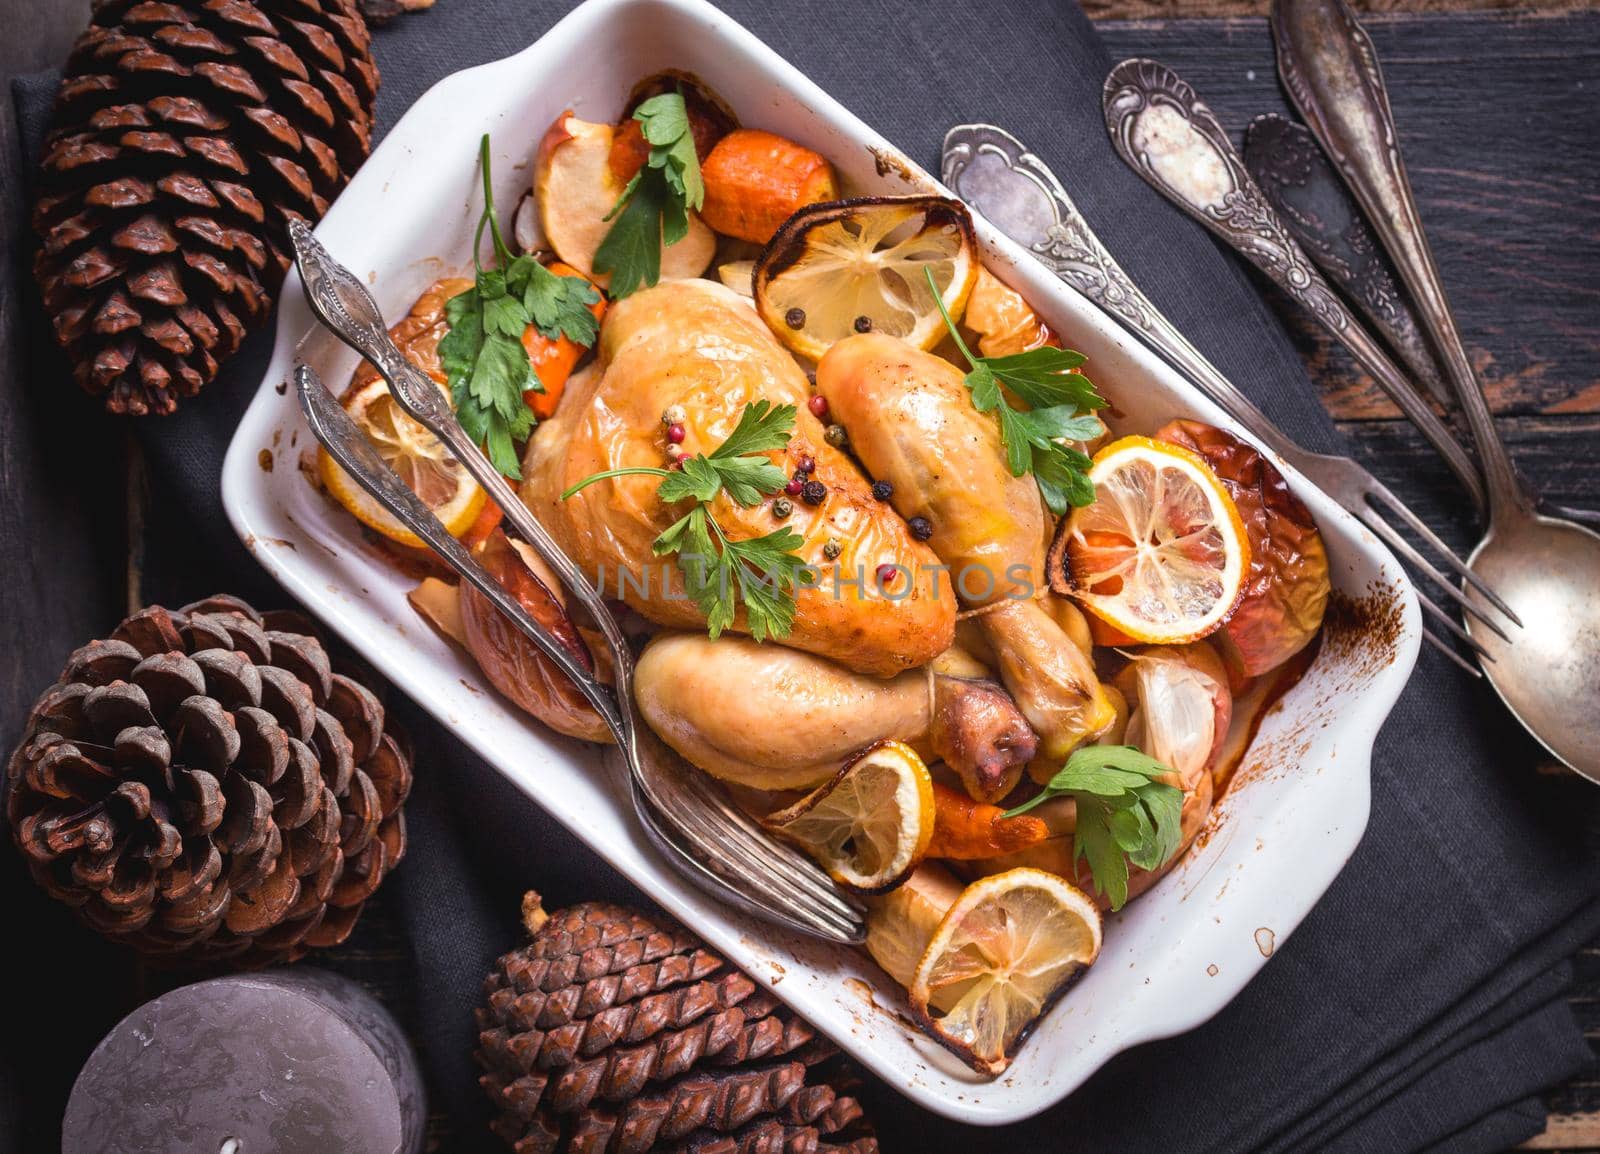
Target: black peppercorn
(882, 490)
(921, 528)
(782, 507)
(813, 492)
(863, 324)
(795, 318)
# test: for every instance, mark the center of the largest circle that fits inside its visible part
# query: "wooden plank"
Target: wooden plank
(1204, 9)
(1567, 1134)
(1500, 147)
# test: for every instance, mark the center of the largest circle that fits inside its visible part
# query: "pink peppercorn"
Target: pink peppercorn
(676, 434)
(819, 407)
(808, 464)
(887, 573)
(794, 486)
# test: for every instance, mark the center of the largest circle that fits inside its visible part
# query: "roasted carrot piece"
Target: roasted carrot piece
(488, 521)
(755, 181)
(553, 360)
(629, 150)
(967, 830)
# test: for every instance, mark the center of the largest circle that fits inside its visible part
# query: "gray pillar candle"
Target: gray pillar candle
(281, 1062)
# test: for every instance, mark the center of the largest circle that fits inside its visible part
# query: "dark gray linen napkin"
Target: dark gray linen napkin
(1419, 1007)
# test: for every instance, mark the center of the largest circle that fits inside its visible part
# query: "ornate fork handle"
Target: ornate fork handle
(346, 443)
(1070, 249)
(1165, 134)
(339, 298)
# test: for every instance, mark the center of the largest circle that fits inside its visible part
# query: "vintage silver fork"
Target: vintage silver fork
(712, 842)
(1164, 132)
(994, 172)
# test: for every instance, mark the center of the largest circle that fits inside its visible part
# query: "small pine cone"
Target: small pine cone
(612, 1032)
(186, 135)
(202, 785)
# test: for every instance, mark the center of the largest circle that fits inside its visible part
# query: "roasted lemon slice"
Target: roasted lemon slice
(871, 824)
(1161, 555)
(1003, 953)
(421, 461)
(856, 266)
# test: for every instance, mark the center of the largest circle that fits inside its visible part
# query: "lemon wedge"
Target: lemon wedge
(870, 826)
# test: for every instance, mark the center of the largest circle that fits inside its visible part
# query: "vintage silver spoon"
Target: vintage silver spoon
(1546, 568)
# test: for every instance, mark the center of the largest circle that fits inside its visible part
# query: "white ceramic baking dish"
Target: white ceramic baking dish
(1173, 958)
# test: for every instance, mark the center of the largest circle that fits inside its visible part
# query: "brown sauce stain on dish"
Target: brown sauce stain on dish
(1365, 631)
(862, 990)
(1360, 637)
(1266, 941)
(890, 163)
(264, 459)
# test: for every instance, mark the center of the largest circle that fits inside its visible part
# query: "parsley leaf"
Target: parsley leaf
(1060, 409)
(719, 573)
(1124, 814)
(558, 306)
(654, 207)
(482, 354)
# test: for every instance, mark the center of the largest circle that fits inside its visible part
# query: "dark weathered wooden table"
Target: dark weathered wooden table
(1500, 113)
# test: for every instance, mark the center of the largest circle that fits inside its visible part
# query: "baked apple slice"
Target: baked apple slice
(576, 186)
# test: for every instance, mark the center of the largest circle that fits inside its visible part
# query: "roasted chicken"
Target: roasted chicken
(912, 423)
(698, 346)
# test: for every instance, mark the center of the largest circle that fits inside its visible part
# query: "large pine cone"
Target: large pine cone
(202, 784)
(185, 136)
(614, 1033)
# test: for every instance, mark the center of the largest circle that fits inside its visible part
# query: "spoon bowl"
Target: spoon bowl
(1548, 571)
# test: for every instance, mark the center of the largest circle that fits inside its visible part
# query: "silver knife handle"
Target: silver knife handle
(348, 445)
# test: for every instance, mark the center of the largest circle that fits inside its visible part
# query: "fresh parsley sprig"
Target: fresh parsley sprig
(1060, 407)
(655, 206)
(763, 570)
(1124, 814)
(483, 355)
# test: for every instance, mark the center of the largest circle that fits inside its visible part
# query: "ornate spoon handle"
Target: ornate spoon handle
(1307, 193)
(1165, 134)
(1331, 71)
